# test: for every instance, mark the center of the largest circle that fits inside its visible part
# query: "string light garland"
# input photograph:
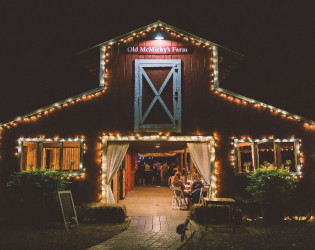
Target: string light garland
(36, 115)
(239, 99)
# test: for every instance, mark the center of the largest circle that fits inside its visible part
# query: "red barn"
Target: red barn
(158, 93)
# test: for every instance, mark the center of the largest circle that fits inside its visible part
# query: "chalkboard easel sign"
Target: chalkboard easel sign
(68, 209)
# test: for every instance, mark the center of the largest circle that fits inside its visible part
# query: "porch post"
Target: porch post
(39, 155)
(191, 163)
(181, 162)
(277, 154)
(256, 156)
(185, 163)
(60, 156)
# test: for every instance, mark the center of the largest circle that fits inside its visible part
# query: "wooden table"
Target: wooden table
(220, 201)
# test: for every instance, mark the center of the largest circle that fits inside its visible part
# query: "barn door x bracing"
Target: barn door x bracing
(157, 105)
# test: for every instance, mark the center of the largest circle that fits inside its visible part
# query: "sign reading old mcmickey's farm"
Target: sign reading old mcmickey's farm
(158, 95)
(158, 50)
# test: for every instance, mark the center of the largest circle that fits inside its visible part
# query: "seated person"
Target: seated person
(175, 176)
(195, 187)
(177, 182)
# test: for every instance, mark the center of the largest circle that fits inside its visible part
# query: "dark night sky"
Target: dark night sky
(39, 43)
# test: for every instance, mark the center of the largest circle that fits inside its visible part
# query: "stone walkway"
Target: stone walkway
(147, 232)
(153, 222)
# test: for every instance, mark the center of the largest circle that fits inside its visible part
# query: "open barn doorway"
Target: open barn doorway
(146, 191)
(156, 163)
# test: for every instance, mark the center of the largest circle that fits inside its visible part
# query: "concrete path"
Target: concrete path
(153, 222)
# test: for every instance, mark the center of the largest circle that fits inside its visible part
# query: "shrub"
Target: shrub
(271, 189)
(215, 214)
(248, 207)
(102, 213)
(33, 195)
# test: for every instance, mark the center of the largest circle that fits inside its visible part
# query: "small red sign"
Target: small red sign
(158, 50)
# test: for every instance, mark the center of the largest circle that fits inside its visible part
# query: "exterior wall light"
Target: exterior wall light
(159, 36)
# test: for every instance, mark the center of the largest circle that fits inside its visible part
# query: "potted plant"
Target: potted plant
(272, 190)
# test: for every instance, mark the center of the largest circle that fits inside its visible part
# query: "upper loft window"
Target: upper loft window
(157, 103)
(54, 154)
(254, 154)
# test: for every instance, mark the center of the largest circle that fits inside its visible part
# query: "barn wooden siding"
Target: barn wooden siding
(203, 113)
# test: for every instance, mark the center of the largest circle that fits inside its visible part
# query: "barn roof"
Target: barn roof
(91, 58)
(155, 25)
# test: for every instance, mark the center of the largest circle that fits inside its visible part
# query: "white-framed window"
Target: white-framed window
(250, 154)
(157, 103)
(64, 155)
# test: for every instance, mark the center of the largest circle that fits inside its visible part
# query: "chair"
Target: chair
(170, 180)
(204, 192)
(179, 200)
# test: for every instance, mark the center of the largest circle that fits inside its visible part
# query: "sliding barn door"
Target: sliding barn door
(157, 105)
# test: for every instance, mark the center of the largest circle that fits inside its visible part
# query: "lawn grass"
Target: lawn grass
(54, 236)
(288, 235)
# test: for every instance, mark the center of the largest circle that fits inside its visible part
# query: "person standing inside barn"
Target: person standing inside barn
(154, 173)
(158, 168)
(164, 174)
(140, 172)
(147, 169)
